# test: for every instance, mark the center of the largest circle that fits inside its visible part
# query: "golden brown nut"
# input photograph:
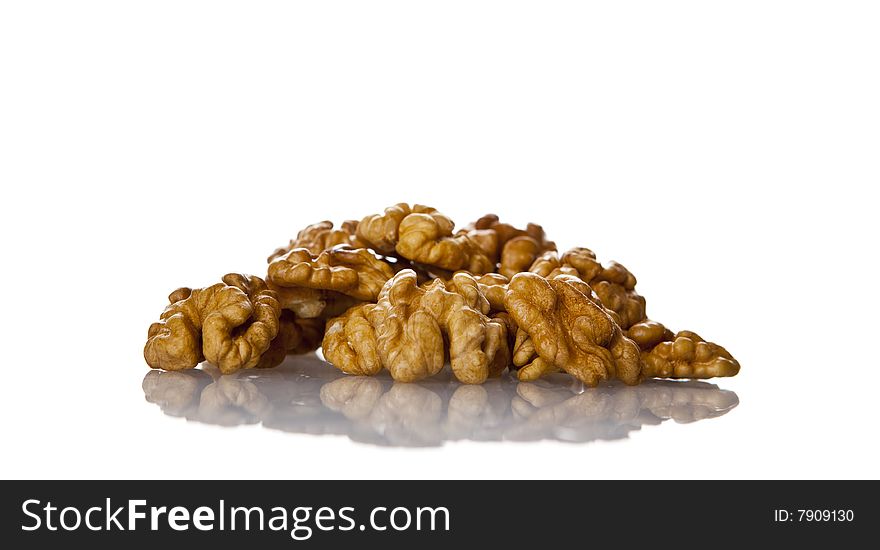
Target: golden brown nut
(516, 249)
(380, 231)
(584, 261)
(411, 323)
(614, 285)
(423, 239)
(468, 287)
(407, 331)
(320, 236)
(628, 305)
(523, 348)
(493, 286)
(353, 272)
(229, 324)
(505, 232)
(648, 334)
(569, 331)
(486, 240)
(483, 292)
(687, 355)
(350, 342)
(548, 265)
(518, 255)
(423, 235)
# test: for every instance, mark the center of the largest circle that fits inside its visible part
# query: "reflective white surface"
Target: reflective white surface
(307, 396)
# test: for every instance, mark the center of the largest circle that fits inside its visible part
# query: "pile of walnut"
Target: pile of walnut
(404, 291)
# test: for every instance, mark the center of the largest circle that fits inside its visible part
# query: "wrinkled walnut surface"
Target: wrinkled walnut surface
(516, 249)
(353, 272)
(320, 236)
(569, 331)
(687, 355)
(614, 284)
(229, 324)
(407, 330)
(421, 234)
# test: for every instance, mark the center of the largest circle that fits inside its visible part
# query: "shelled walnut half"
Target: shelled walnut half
(569, 331)
(412, 330)
(423, 235)
(353, 272)
(229, 324)
(320, 236)
(681, 355)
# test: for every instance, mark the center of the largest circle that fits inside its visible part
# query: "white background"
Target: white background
(725, 152)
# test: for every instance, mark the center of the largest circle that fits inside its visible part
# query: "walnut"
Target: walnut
(484, 239)
(320, 236)
(679, 355)
(351, 344)
(523, 348)
(524, 353)
(687, 355)
(423, 235)
(614, 284)
(408, 329)
(648, 334)
(423, 239)
(477, 343)
(468, 287)
(548, 264)
(380, 231)
(353, 272)
(626, 303)
(507, 232)
(518, 255)
(516, 249)
(493, 286)
(584, 261)
(569, 331)
(229, 324)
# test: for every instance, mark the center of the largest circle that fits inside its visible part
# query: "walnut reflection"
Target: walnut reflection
(306, 395)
